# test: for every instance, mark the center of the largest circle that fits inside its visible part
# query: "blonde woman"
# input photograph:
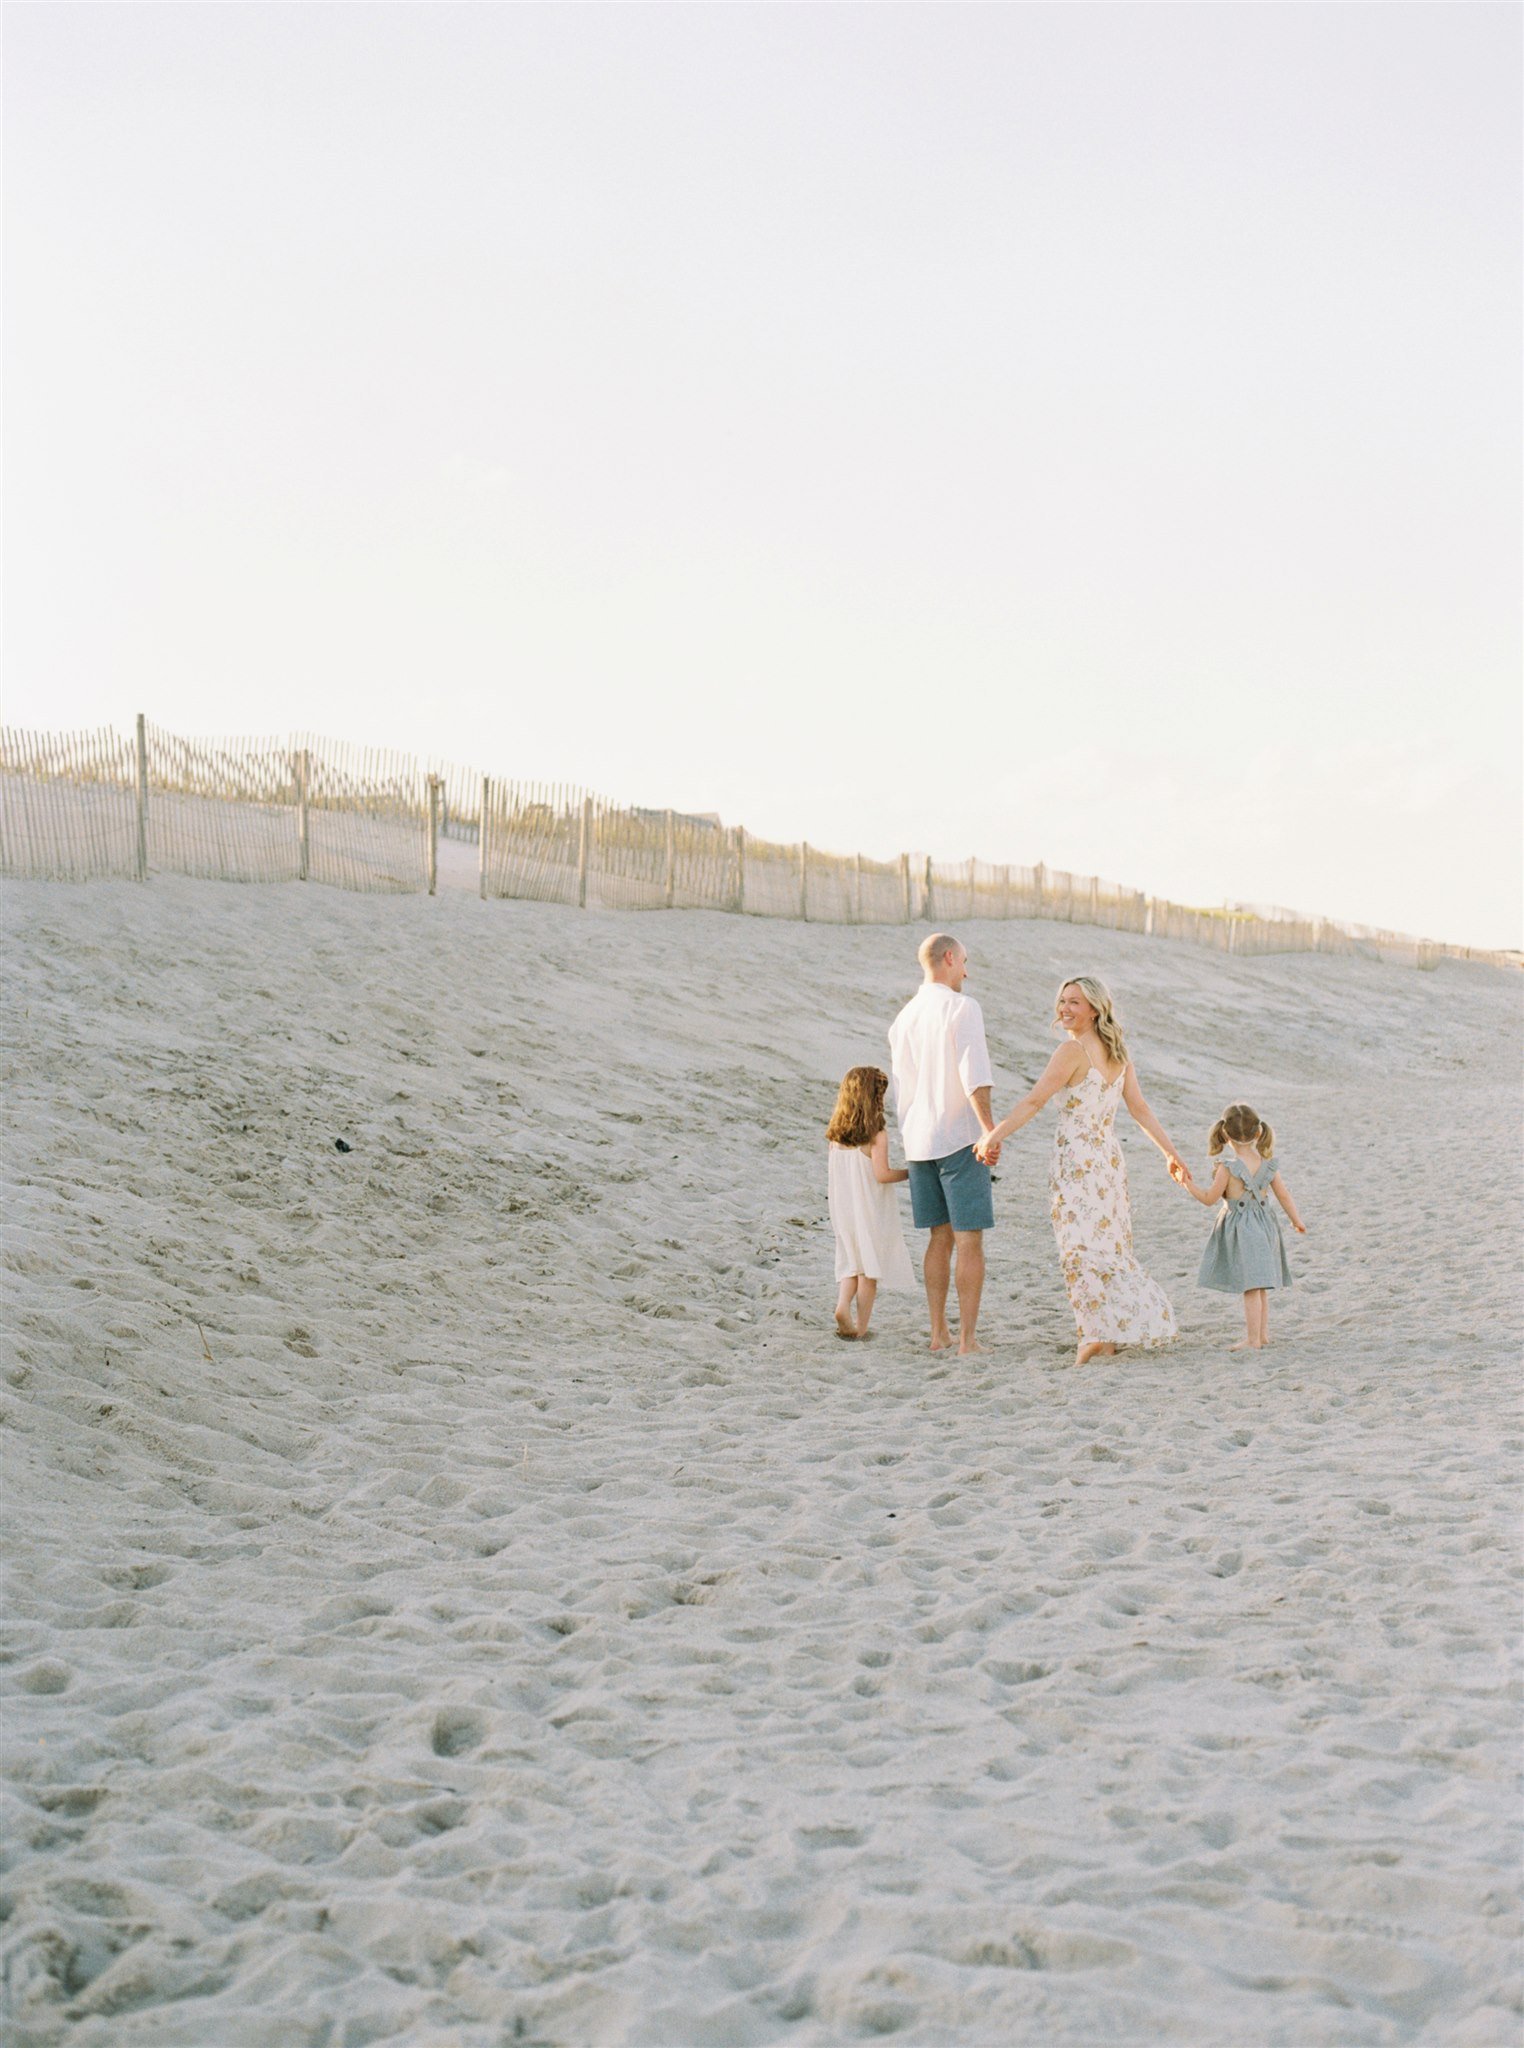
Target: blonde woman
(1113, 1299)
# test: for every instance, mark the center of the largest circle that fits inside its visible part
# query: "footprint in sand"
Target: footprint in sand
(1017, 1673)
(46, 1677)
(456, 1730)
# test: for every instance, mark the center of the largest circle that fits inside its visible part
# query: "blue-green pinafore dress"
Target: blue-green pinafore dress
(1246, 1248)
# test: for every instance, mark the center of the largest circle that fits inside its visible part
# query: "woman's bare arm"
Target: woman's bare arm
(1145, 1119)
(1065, 1067)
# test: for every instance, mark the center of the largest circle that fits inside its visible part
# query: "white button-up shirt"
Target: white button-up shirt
(939, 1058)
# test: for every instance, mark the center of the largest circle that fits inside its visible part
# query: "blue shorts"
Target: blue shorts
(953, 1190)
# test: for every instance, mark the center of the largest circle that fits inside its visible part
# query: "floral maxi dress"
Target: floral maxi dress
(1113, 1299)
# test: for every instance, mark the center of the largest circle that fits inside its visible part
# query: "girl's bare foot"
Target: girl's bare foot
(844, 1325)
(1246, 1344)
(865, 1336)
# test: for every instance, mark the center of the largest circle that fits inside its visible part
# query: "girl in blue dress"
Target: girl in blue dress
(1245, 1253)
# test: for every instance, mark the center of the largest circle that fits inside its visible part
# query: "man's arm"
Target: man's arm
(989, 1151)
(974, 1069)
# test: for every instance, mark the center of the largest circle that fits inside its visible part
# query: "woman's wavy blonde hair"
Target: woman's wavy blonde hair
(1240, 1122)
(1098, 996)
(859, 1114)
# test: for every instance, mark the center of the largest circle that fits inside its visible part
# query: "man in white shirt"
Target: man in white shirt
(942, 1083)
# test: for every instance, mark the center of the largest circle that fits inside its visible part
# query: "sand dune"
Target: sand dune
(463, 1594)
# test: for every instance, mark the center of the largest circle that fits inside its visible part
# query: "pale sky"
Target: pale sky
(1085, 433)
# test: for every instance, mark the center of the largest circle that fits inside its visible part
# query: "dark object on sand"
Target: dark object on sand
(342, 1145)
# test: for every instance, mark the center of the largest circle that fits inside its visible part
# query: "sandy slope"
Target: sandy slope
(463, 1593)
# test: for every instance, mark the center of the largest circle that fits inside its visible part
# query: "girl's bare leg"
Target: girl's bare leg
(1264, 1316)
(867, 1294)
(844, 1295)
(1248, 1343)
(1254, 1320)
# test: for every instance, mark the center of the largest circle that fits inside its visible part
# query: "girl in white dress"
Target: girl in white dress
(870, 1244)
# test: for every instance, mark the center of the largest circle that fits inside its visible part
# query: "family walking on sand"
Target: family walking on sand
(942, 1082)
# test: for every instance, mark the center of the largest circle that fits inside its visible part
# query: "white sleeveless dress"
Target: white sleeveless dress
(866, 1219)
(1113, 1299)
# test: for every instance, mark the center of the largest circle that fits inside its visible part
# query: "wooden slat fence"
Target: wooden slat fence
(367, 817)
(85, 805)
(68, 805)
(221, 809)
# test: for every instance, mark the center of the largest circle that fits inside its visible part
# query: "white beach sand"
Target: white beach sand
(464, 1594)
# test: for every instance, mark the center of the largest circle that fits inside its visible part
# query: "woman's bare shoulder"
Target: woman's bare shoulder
(1068, 1058)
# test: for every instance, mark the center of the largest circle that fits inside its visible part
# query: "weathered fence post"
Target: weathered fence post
(481, 838)
(1095, 899)
(905, 885)
(1005, 891)
(303, 838)
(433, 835)
(926, 900)
(671, 859)
(584, 848)
(740, 846)
(142, 798)
(1037, 881)
(973, 887)
(1149, 915)
(804, 881)
(857, 888)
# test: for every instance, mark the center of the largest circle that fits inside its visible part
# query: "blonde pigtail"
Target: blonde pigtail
(1219, 1137)
(1265, 1141)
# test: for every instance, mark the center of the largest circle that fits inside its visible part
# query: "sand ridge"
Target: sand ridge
(463, 1592)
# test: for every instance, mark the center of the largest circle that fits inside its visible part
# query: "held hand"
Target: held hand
(1179, 1172)
(987, 1151)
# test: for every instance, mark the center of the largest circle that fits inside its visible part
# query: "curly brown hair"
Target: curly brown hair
(859, 1114)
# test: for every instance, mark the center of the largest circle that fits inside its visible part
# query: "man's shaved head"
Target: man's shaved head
(935, 949)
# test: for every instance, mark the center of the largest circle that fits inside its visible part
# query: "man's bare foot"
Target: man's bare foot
(844, 1326)
(866, 1336)
(1088, 1351)
(941, 1340)
(969, 1348)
